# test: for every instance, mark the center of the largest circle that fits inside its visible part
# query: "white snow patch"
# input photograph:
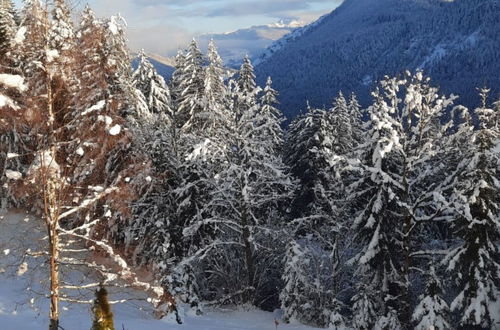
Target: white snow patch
(20, 35)
(13, 175)
(7, 102)
(13, 81)
(437, 54)
(98, 106)
(52, 54)
(115, 130)
(80, 151)
(23, 268)
(44, 159)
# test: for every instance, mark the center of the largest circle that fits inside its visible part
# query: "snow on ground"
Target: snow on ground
(23, 306)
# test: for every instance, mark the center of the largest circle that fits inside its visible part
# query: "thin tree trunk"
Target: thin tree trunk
(52, 211)
(248, 258)
(54, 276)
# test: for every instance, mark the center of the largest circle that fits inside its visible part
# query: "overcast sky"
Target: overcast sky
(162, 26)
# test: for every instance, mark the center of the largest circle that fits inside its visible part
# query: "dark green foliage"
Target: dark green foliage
(103, 316)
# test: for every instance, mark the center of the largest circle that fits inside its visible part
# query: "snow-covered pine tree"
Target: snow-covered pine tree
(432, 311)
(61, 34)
(474, 199)
(356, 115)
(244, 209)
(8, 25)
(397, 191)
(177, 76)
(246, 89)
(308, 294)
(246, 77)
(189, 93)
(273, 132)
(379, 266)
(216, 94)
(130, 101)
(215, 89)
(200, 143)
(12, 85)
(316, 144)
(147, 80)
(304, 137)
(366, 304)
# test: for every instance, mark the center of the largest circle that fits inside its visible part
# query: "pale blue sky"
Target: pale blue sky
(161, 26)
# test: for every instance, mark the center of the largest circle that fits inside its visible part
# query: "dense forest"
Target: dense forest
(456, 42)
(384, 217)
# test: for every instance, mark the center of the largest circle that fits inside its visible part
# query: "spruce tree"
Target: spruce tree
(147, 80)
(432, 310)
(61, 34)
(474, 202)
(103, 316)
(8, 25)
(398, 190)
(308, 294)
(243, 212)
(190, 91)
(271, 117)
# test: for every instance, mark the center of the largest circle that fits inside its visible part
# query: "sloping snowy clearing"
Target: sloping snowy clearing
(23, 283)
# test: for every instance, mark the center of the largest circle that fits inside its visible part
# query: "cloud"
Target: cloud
(250, 7)
(162, 26)
(159, 39)
(151, 24)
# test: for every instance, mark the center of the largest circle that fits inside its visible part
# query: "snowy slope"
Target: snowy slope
(455, 42)
(233, 46)
(23, 306)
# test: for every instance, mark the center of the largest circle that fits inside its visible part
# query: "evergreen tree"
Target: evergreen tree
(8, 25)
(152, 86)
(246, 77)
(190, 106)
(216, 115)
(245, 90)
(317, 141)
(274, 132)
(103, 316)
(474, 201)
(177, 76)
(215, 89)
(244, 209)
(365, 308)
(61, 34)
(308, 294)
(432, 311)
(397, 190)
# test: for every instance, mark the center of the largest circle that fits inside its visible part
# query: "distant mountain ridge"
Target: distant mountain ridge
(456, 42)
(233, 46)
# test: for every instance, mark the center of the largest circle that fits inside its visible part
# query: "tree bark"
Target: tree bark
(248, 259)
(54, 276)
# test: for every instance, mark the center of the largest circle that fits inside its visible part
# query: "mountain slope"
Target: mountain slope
(164, 66)
(233, 46)
(456, 42)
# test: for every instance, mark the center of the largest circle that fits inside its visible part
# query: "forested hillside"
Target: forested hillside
(455, 42)
(383, 216)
